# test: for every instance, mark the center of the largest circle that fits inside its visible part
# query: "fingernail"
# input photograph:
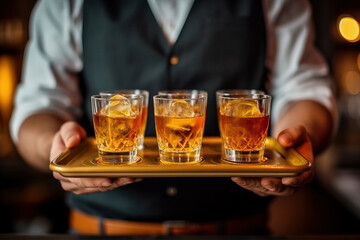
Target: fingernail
(126, 183)
(241, 182)
(284, 139)
(138, 179)
(71, 140)
(271, 187)
(106, 184)
(290, 183)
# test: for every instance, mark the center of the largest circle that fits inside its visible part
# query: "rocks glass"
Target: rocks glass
(244, 121)
(117, 124)
(179, 124)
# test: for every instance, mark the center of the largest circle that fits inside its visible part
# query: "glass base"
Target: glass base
(236, 156)
(113, 158)
(140, 142)
(180, 157)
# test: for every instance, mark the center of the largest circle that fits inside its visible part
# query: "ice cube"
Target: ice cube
(119, 106)
(181, 108)
(160, 110)
(242, 108)
(120, 129)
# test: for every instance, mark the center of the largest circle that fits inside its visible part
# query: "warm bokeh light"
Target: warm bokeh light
(352, 82)
(7, 83)
(349, 29)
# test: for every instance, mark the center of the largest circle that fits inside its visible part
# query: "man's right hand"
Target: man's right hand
(69, 136)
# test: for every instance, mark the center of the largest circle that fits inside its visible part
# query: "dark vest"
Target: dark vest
(221, 46)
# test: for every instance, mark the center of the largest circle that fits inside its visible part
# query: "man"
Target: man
(77, 49)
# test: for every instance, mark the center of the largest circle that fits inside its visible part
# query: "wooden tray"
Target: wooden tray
(81, 162)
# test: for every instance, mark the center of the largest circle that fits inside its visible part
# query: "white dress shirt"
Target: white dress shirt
(53, 57)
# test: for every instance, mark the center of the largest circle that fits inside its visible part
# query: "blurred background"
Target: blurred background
(33, 202)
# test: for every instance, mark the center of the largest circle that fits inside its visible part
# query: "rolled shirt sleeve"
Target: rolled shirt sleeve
(297, 70)
(52, 61)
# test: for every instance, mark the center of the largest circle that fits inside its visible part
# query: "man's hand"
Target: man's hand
(70, 135)
(297, 138)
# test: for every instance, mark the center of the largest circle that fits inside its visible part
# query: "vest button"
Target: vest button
(171, 191)
(174, 60)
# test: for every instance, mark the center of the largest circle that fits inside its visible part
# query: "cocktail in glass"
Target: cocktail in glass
(233, 93)
(244, 122)
(144, 113)
(117, 123)
(179, 124)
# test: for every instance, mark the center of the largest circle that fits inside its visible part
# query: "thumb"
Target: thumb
(72, 134)
(293, 136)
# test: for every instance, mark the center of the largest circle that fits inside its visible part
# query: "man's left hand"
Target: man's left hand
(295, 137)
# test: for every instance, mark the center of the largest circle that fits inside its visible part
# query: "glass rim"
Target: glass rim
(125, 91)
(177, 92)
(139, 92)
(239, 91)
(182, 91)
(107, 97)
(247, 96)
(185, 96)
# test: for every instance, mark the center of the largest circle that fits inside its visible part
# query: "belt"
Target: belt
(86, 224)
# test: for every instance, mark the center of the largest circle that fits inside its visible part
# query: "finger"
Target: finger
(272, 184)
(304, 178)
(92, 185)
(292, 136)
(275, 187)
(261, 193)
(57, 146)
(286, 191)
(91, 182)
(298, 138)
(71, 187)
(250, 183)
(255, 185)
(85, 182)
(72, 133)
(126, 181)
(306, 150)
